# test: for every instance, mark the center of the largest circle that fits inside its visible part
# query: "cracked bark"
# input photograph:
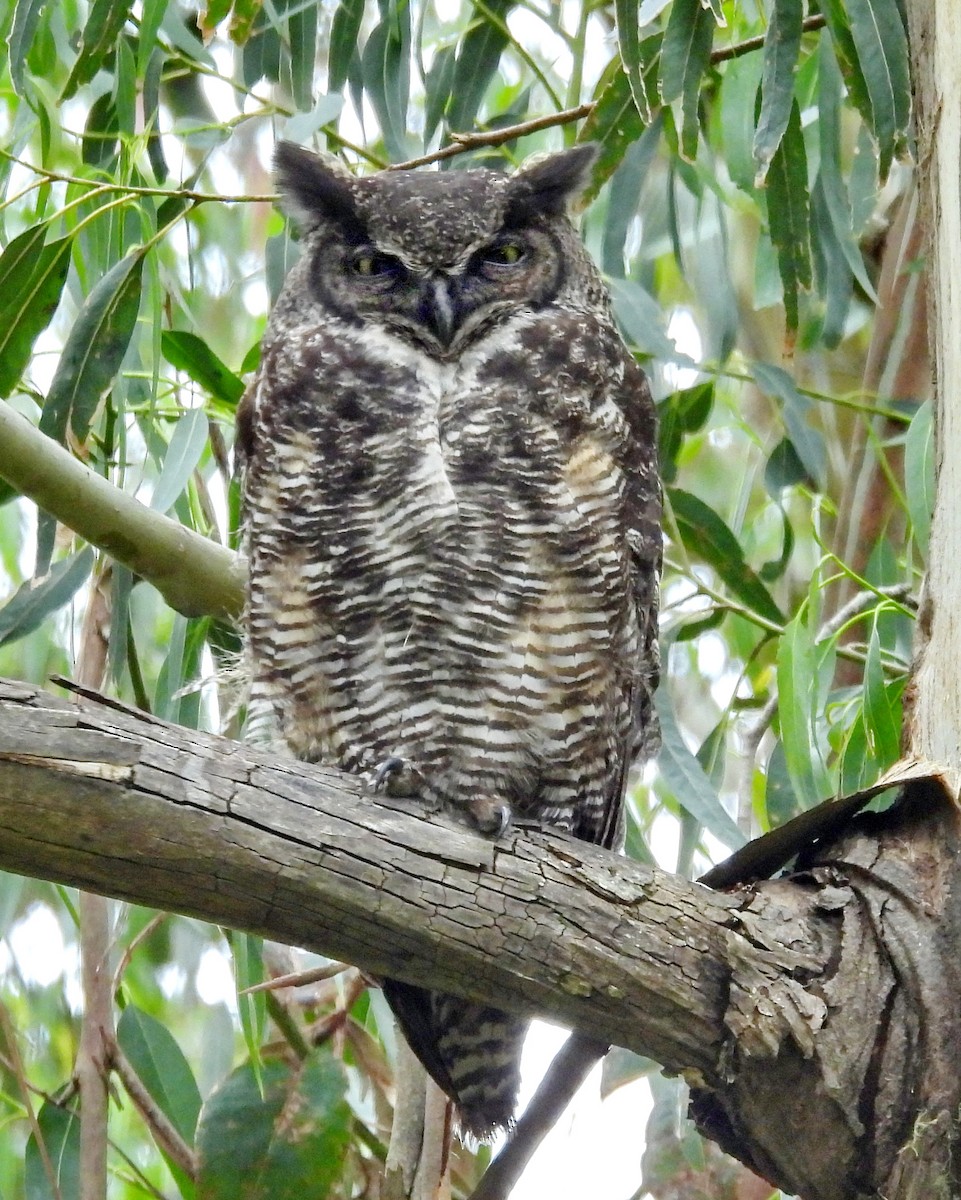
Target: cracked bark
(816, 1016)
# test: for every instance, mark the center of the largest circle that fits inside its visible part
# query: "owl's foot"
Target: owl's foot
(393, 776)
(490, 815)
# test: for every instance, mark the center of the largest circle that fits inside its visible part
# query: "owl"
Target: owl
(453, 525)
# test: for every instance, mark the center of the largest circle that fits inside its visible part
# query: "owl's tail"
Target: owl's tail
(471, 1051)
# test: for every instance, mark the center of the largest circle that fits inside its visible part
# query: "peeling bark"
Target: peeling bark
(816, 1015)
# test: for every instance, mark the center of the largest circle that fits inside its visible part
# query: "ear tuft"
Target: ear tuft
(547, 183)
(314, 187)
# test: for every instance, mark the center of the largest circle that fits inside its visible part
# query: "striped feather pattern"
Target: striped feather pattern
(453, 562)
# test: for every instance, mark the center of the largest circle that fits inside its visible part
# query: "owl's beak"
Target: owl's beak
(440, 307)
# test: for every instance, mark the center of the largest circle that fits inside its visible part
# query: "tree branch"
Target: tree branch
(817, 1016)
(193, 574)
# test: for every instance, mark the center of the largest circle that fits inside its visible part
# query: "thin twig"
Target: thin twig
(10, 1037)
(161, 1127)
(156, 920)
(296, 979)
(460, 143)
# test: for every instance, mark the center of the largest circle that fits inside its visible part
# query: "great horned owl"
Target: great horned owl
(453, 524)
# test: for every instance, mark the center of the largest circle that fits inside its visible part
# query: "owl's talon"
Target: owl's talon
(492, 817)
(394, 776)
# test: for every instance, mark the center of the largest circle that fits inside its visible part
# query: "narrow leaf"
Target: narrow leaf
(708, 536)
(26, 18)
(789, 215)
(782, 44)
(107, 18)
(437, 89)
(386, 69)
(878, 34)
(302, 38)
(688, 782)
(478, 57)
(185, 450)
(919, 474)
(685, 59)
(629, 44)
(798, 693)
(37, 599)
(191, 354)
(881, 718)
(642, 320)
(344, 31)
(32, 276)
(807, 441)
(94, 350)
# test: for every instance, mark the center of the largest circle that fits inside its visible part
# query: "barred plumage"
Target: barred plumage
(452, 514)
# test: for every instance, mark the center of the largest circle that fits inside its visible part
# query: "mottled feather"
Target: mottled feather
(453, 524)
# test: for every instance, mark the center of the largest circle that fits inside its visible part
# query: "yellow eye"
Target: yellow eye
(367, 263)
(506, 253)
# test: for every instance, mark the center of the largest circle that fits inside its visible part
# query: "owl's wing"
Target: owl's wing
(642, 515)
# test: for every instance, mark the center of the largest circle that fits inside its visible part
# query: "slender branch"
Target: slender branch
(193, 574)
(161, 1127)
(17, 1068)
(460, 143)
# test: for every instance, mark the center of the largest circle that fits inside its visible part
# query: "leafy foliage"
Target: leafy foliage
(756, 267)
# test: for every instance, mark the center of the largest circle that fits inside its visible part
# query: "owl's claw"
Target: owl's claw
(491, 816)
(394, 776)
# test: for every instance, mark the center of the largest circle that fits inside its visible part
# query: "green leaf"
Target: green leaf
(107, 18)
(629, 45)
(26, 18)
(94, 350)
(832, 184)
(191, 354)
(478, 57)
(32, 276)
(302, 40)
(642, 320)
(782, 45)
(37, 599)
(679, 414)
(882, 50)
(784, 469)
(688, 782)
(685, 58)
(846, 53)
(800, 711)
(386, 69)
(162, 1068)
(615, 124)
(344, 31)
(789, 215)
(249, 970)
(738, 114)
(704, 533)
(437, 89)
(881, 716)
(186, 448)
(285, 1143)
(807, 441)
(60, 1135)
(919, 474)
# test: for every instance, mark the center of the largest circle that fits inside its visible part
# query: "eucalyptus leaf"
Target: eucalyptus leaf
(688, 781)
(94, 350)
(37, 599)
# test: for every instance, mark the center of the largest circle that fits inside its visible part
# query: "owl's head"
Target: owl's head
(435, 257)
